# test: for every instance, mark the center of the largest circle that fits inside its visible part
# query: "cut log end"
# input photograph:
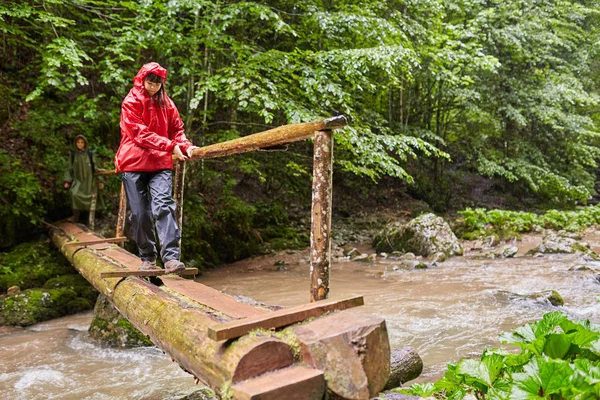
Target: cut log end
(301, 383)
(266, 357)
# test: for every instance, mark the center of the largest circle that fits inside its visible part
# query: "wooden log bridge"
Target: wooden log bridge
(239, 350)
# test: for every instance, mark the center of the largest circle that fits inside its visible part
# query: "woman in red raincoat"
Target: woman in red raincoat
(151, 132)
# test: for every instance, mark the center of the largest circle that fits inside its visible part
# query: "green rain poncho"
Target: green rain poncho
(81, 176)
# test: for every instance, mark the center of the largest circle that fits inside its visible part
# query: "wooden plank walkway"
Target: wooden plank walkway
(281, 318)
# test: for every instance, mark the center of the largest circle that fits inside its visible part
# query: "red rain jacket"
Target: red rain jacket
(148, 133)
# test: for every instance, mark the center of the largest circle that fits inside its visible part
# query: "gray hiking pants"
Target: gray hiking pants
(150, 199)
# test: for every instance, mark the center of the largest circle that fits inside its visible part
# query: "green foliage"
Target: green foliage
(479, 222)
(559, 359)
(507, 89)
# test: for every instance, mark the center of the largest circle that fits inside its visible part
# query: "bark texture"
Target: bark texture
(320, 233)
(273, 137)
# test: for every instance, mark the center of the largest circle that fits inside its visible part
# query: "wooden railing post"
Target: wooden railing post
(320, 227)
(122, 213)
(179, 184)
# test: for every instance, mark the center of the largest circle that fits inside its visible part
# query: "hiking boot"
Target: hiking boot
(174, 266)
(148, 265)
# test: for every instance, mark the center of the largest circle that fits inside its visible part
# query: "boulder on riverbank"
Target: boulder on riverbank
(425, 235)
(39, 285)
(36, 305)
(562, 242)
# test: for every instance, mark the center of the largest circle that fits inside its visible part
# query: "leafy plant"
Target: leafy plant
(479, 222)
(559, 359)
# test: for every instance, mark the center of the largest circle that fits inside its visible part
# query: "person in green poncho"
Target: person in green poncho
(79, 178)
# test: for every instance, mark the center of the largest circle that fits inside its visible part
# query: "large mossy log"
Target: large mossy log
(349, 350)
(179, 327)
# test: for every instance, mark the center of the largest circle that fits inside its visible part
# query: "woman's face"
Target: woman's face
(151, 87)
(80, 143)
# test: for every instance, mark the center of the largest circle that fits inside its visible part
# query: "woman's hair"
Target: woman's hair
(161, 95)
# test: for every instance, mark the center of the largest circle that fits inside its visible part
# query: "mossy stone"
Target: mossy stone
(36, 305)
(31, 264)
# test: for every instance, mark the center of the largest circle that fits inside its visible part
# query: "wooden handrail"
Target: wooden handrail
(273, 137)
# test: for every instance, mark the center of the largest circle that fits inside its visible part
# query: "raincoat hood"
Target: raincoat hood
(150, 68)
(80, 137)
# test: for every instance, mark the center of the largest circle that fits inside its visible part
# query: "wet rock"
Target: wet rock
(580, 268)
(492, 241)
(405, 365)
(279, 263)
(109, 327)
(13, 290)
(408, 256)
(396, 254)
(421, 265)
(567, 234)
(362, 258)
(553, 242)
(477, 245)
(36, 305)
(351, 252)
(546, 296)
(551, 296)
(439, 257)
(509, 251)
(424, 235)
(202, 394)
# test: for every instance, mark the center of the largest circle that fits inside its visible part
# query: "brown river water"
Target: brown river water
(453, 310)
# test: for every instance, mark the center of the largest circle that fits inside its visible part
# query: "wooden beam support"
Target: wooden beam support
(320, 226)
(178, 190)
(120, 231)
(292, 383)
(273, 137)
(281, 318)
(352, 349)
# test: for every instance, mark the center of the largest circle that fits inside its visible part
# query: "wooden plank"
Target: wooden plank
(280, 318)
(213, 298)
(137, 272)
(90, 242)
(292, 383)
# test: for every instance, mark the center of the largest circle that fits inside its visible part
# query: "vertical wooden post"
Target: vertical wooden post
(122, 213)
(178, 194)
(92, 214)
(320, 227)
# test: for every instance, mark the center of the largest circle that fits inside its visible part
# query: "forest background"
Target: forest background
(443, 98)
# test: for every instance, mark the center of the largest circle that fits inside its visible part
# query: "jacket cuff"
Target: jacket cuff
(171, 146)
(184, 147)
